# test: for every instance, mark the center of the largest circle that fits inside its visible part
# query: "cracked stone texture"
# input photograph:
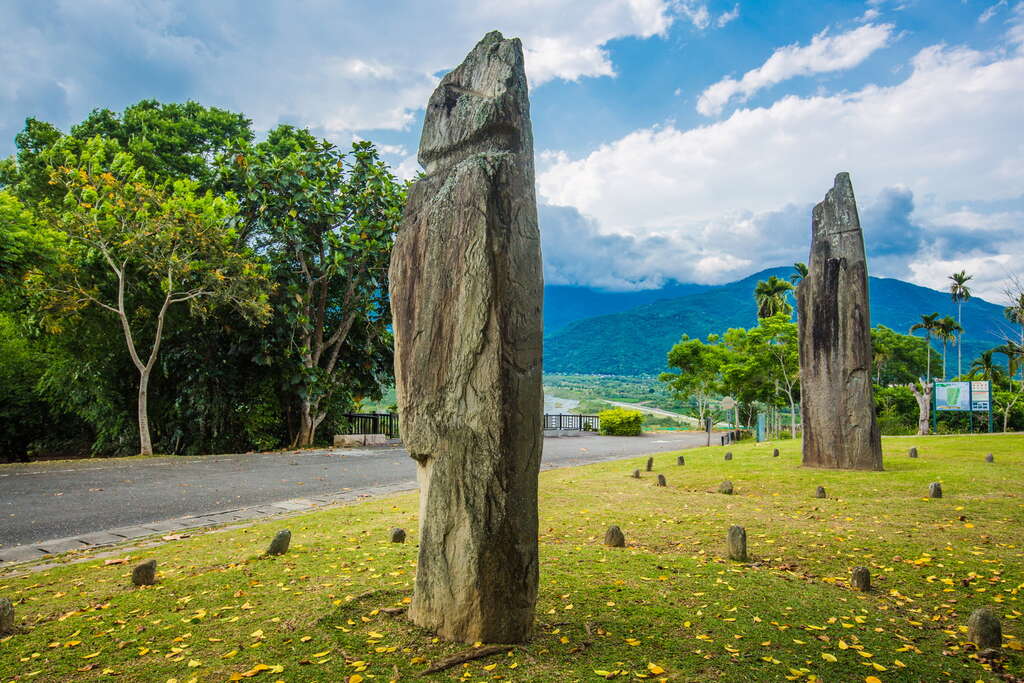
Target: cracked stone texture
(840, 430)
(466, 293)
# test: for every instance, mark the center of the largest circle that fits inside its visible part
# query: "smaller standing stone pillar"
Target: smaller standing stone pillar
(984, 629)
(861, 579)
(614, 537)
(737, 543)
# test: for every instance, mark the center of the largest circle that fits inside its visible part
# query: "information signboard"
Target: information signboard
(953, 396)
(980, 396)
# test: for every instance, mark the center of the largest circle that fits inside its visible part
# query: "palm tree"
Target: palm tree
(770, 296)
(947, 331)
(1015, 314)
(930, 325)
(960, 293)
(800, 272)
(985, 367)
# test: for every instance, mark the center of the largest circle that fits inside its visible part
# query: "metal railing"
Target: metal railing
(372, 423)
(591, 423)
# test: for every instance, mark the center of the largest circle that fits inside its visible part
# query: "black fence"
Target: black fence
(589, 423)
(734, 435)
(372, 423)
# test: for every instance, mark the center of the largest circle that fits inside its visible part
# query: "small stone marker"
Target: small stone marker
(861, 579)
(680, 460)
(820, 492)
(614, 537)
(6, 616)
(144, 574)
(990, 458)
(661, 480)
(912, 452)
(737, 543)
(935, 490)
(775, 453)
(728, 456)
(397, 535)
(636, 474)
(725, 487)
(650, 464)
(984, 629)
(279, 546)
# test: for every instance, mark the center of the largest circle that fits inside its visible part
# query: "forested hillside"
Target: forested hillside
(636, 341)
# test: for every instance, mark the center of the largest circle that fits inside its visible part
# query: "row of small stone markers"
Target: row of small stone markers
(144, 574)
(983, 626)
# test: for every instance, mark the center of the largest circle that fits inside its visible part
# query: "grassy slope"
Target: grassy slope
(669, 598)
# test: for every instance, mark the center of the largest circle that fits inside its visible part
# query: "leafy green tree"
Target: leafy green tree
(127, 239)
(897, 358)
(930, 326)
(799, 273)
(764, 363)
(771, 299)
(961, 293)
(325, 220)
(699, 377)
(1014, 354)
(25, 242)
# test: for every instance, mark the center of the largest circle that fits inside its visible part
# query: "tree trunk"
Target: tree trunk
(145, 443)
(304, 438)
(792, 417)
(924, 407)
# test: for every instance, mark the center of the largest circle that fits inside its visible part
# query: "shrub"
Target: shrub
(621, 422)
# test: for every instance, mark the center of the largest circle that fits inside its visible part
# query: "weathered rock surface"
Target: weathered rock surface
(614, 537)
(279, 545)
(725, 487)
(860, 579)
(728, 456)
(650, 464)
(636, 474)
(6, 616)
(144, 574)
(737, 540)
(466, 293)
(840, 430)
(984, 629)
(990, 458)
(912, 452)
(680, 460)
(661, 480)
(820, 492)
(775, 453)
(397, 535)
(935, 490)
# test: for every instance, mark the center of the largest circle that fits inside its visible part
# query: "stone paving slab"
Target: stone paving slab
(62, 545)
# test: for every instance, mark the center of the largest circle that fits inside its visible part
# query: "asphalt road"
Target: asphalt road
(49, 500)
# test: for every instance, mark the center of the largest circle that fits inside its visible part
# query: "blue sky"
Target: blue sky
(675, 139)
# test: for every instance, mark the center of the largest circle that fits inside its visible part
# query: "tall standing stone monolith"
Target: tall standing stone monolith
(836, 401)
(466, 292)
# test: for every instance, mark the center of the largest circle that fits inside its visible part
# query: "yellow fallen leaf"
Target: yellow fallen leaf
(355, 678)
(872, 679)
(490, 667)
(94, 654)
(828, 657)
(654, 668)
(318, 655)
(193, 663)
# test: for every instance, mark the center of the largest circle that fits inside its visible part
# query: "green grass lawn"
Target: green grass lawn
(666, 607)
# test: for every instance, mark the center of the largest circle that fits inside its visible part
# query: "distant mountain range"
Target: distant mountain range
(589, 331)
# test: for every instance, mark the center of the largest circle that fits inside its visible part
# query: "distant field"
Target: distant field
(667, 607)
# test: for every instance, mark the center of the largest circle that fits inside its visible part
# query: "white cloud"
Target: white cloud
(991, 11)
(695, 12)
(337, 68)
(949, 133)
(726, 17)
(825, 53)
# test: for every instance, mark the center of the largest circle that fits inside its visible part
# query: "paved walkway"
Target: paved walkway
(53, 507)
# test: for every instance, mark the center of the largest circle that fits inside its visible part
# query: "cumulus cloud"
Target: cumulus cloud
(825, 53)
(697, 13)
(926, 156)
(337, 68)
(991, 11)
